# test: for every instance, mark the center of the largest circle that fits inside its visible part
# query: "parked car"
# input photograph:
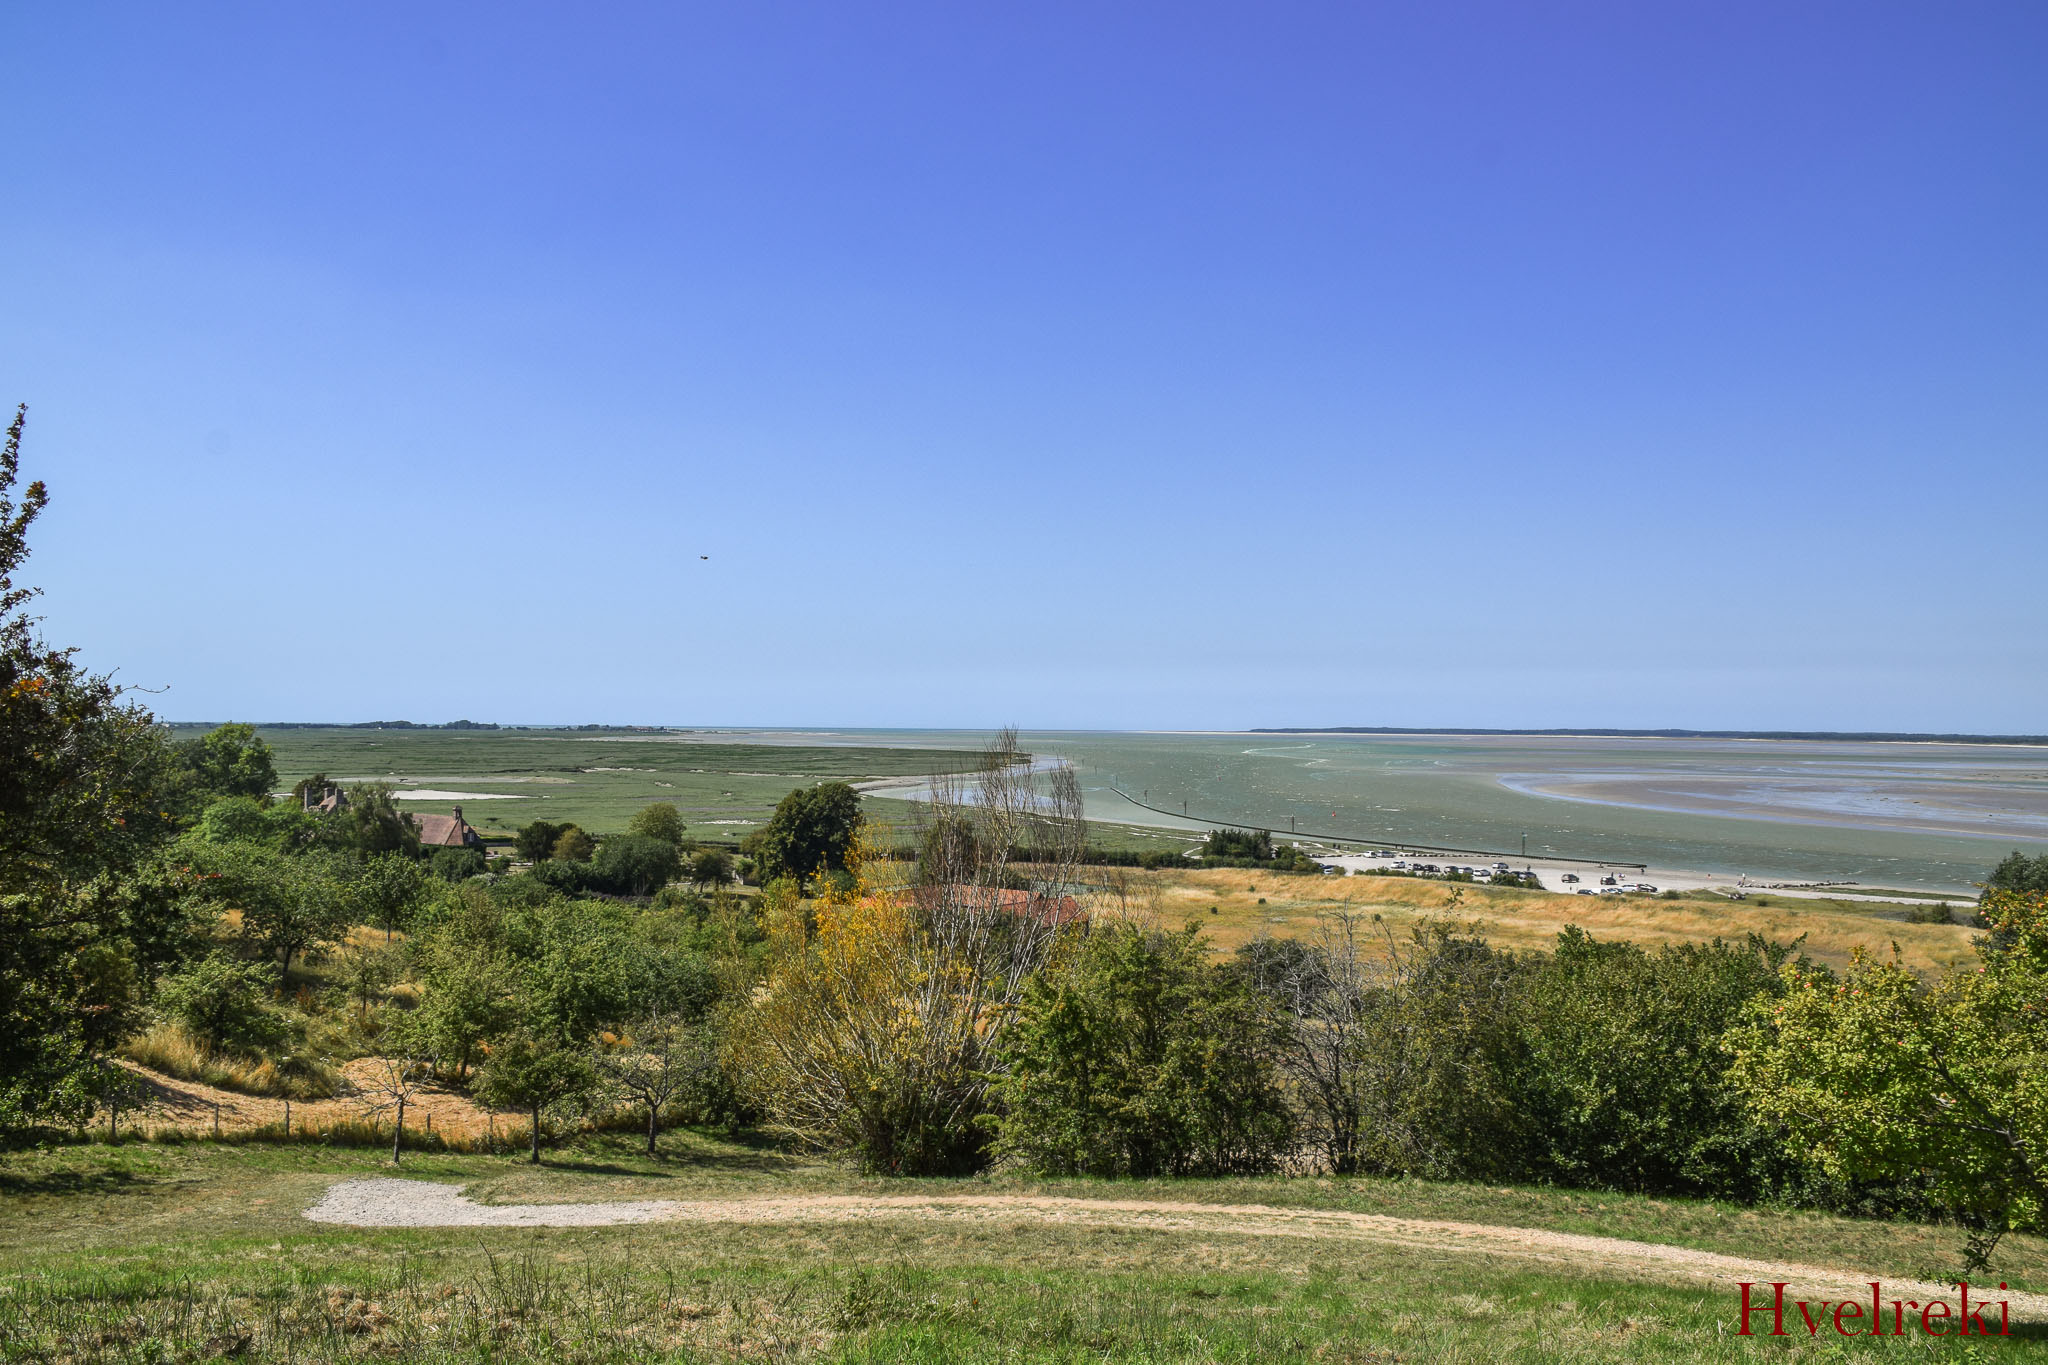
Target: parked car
(1645, 888)
(1570, 877)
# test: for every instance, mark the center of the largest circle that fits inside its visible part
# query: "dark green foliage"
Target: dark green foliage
(1238, 843)
(2017, 872)
(572, 845)
(1249, 848)
(456, 864)
(85, 798)
(1142, 1059)
(226, 761)
(1627, 1081)
(710, 867)
(536, 841)
(221, 1001)
(634, 864)
(809, 833)
(369, 824)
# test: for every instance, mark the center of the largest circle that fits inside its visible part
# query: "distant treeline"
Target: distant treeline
(1857, 736)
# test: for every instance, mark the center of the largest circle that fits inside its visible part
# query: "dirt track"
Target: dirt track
(408, 1203)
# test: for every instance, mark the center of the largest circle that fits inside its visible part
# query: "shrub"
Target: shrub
(220, 1001)
(1142, 1059)
(456, 864)
(634, 864)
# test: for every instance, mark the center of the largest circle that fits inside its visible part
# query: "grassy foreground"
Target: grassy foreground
(146, 1252)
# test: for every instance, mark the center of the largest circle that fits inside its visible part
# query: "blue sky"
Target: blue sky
(1170, 365)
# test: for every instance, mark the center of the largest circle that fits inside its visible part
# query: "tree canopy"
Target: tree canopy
(809, 833)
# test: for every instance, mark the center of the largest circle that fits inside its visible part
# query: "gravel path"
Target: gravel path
(385, 1203)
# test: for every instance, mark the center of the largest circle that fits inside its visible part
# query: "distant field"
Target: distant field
(598, 780)
(1247, 904)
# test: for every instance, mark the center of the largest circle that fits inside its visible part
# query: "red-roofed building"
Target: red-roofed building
(445, 831)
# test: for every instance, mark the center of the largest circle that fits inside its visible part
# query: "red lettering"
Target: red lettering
(2004, 1314)
(1776, 1310)
(1969, 1314)
(1855, 1312)
(1812, 1327)
(1876, 1310)
(1899, 1315)
(1929, 1327)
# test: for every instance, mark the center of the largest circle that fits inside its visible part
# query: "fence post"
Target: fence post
(216, 1119)
(287, 1115)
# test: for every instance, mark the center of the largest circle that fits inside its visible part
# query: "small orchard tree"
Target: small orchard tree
(387, 890)
(220, 1000)
(535, 1071)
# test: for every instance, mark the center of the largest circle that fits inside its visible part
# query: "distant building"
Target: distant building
(445, 831)
(324, 800)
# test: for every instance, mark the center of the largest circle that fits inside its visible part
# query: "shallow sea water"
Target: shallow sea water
(1906, 815)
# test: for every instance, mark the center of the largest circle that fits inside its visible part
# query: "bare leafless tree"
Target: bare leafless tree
(661, 1059)
(388, 1085)
(999, 882)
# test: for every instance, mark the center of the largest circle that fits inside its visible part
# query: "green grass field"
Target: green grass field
(598, 780)
(146, 1252)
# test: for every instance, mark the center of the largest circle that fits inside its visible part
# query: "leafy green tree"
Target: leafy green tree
(370, 824)
(1881, 1077)
(457, 864)
(466, 1000)
(536, 1070)
(634, 865)
(228, 760)
(86, 797)
(388, 890)
(659, 821)
(810, 832)
(221, 1001)
(2017, 872)
(247, 819)
(1627, 1079)
(1142, 1059)
(536, 841)
(572, 845)
(290, 904)
(711, 867)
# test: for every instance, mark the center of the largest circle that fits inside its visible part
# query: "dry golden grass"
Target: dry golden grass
(171, 1050)
(1248, 904)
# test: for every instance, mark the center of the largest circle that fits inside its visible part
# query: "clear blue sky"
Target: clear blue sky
(1171, 365)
